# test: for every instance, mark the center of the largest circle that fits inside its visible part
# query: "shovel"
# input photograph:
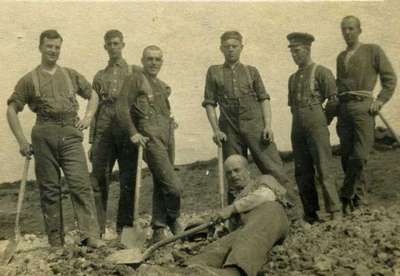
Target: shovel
(389, 127)
(135, 257)
(221, 184)
(135, 237)
(11, 246)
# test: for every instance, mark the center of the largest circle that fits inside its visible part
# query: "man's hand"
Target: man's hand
(267, 135)
(375, 107)
(219, 137)
(139, 139)
(26, 149)
(223, 214)
(83, 124)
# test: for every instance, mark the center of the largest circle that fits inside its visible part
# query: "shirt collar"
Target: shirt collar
(234, 66)
(119, 62)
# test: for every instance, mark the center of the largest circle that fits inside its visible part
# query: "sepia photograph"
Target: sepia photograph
(204, 138)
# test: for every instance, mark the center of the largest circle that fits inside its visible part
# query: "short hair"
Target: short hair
(49, 34)
(237, 158)
(231, 35)
(113, 33)
(349, 17)
(151, 47)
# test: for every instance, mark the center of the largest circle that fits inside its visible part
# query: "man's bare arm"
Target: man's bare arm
(91, 108)
(218, 136)
(267, 133)
(25, 147)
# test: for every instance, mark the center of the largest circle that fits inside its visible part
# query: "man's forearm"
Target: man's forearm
(212, 117)
(266, 110)
(91, 106)
(13, 122)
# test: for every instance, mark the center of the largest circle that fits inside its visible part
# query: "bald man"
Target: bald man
(358, 68)
(258, 218)
(144, 111)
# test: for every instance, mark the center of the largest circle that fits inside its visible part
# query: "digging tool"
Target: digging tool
(134, 237)
(135, 257)
(12, 245)
(395, 136)
(221, 184)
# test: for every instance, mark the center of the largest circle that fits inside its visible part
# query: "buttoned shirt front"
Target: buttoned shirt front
(108, 82)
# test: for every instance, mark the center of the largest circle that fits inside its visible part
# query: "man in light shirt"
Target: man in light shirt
(258, 221)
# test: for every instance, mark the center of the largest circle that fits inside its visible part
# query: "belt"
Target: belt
(359, 95)
(59, 118)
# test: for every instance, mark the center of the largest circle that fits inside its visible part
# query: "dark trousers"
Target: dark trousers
(355, 128)
(159, 156)
(60, 147)
(312, 157)
(248, 246)
(111, 145)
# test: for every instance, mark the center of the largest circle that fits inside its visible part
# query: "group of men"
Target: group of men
(130, 109)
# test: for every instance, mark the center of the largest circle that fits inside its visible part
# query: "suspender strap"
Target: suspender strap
(35, 79)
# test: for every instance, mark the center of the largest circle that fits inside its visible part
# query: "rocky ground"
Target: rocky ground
(364, 243)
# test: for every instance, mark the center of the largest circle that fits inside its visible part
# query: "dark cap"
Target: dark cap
(296, 39)
(231, 35)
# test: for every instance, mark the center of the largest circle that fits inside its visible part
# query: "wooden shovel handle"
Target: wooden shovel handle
(138, 183)
(21, 195)
(184, 234)
(221, 184)
(389, 127)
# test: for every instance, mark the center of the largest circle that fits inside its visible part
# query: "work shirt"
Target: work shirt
(108, 82)
(138, 103)
(54, 95)
(360, 72)
(237, 90)
(300, 85)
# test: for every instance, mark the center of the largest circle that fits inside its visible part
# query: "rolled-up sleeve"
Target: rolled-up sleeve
(254, 199)
(386, 73)
(125, 100)
(210, 90)
(259, 85)
(23, 93)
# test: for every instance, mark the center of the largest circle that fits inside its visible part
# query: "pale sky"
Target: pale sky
(189, 35)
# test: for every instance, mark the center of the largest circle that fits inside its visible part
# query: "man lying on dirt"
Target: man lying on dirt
(258, 221)
(50, 91)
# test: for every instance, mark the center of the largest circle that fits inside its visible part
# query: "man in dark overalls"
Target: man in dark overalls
(245, 120)
(50, 91)
(143, 109)
(109, 141)
(309, 88)
(358, 68)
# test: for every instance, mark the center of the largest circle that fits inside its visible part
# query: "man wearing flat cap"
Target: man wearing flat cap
(358, 68)
(309, 87)
(245, 113)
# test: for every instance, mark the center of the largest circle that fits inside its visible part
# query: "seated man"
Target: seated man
(258, 219)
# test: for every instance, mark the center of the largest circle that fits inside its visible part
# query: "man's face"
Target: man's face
(231, 48)
(152, 61)
(237, 175)
(50, 49)
(350, 31)
(114, 47)
(299, 54)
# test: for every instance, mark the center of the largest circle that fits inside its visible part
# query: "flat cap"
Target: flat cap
(296, 39)
(231, 35)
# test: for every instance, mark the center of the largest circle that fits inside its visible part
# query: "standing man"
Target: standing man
(50, 91)
(144, 111)
(309, 88)
(358, 68)
(245, 111)
(109, 141)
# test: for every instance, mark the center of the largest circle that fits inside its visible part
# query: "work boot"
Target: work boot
(158, 235)
(93, 243)
(312, 218)
(176, 227)
(338, 215)
(347, 206)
